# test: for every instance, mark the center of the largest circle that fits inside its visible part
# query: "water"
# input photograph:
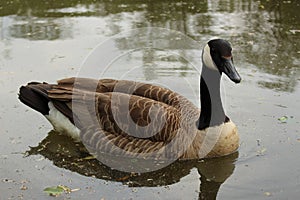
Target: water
(46, 41)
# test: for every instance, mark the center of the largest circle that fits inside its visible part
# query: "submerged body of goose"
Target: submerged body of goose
(124, 117)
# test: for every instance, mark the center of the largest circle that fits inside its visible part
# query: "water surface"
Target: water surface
(49, 40)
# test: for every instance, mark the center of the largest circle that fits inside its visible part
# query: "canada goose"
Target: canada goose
(133, 118)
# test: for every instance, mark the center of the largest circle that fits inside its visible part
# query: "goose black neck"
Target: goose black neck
(212, 112)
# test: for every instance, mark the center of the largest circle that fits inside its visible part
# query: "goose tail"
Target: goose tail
(35, 96)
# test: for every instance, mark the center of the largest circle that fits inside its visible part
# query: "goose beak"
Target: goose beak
(230, 71)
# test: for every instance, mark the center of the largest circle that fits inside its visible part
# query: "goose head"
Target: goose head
(217, 56)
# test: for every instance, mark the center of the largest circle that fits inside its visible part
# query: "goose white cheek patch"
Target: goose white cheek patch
(207, 60)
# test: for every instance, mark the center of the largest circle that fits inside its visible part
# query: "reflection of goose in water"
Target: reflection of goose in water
(128, 118)
(65, 153)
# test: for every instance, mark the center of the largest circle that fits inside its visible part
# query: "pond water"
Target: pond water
(50, 40)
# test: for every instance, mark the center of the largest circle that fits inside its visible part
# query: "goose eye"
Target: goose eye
(226, 57)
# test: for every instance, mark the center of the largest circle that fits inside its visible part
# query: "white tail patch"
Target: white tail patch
(61, 123)
(207, 59)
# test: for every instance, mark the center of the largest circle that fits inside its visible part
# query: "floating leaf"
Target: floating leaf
(65, 188)
(283, 119)
(54, 191)
(267, 194)
(57, 190)
(90, 158)
(75, 190)
(295, 31)
(23, 187)
(261, 151)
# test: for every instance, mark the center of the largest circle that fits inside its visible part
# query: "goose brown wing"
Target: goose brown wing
(121, 114)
